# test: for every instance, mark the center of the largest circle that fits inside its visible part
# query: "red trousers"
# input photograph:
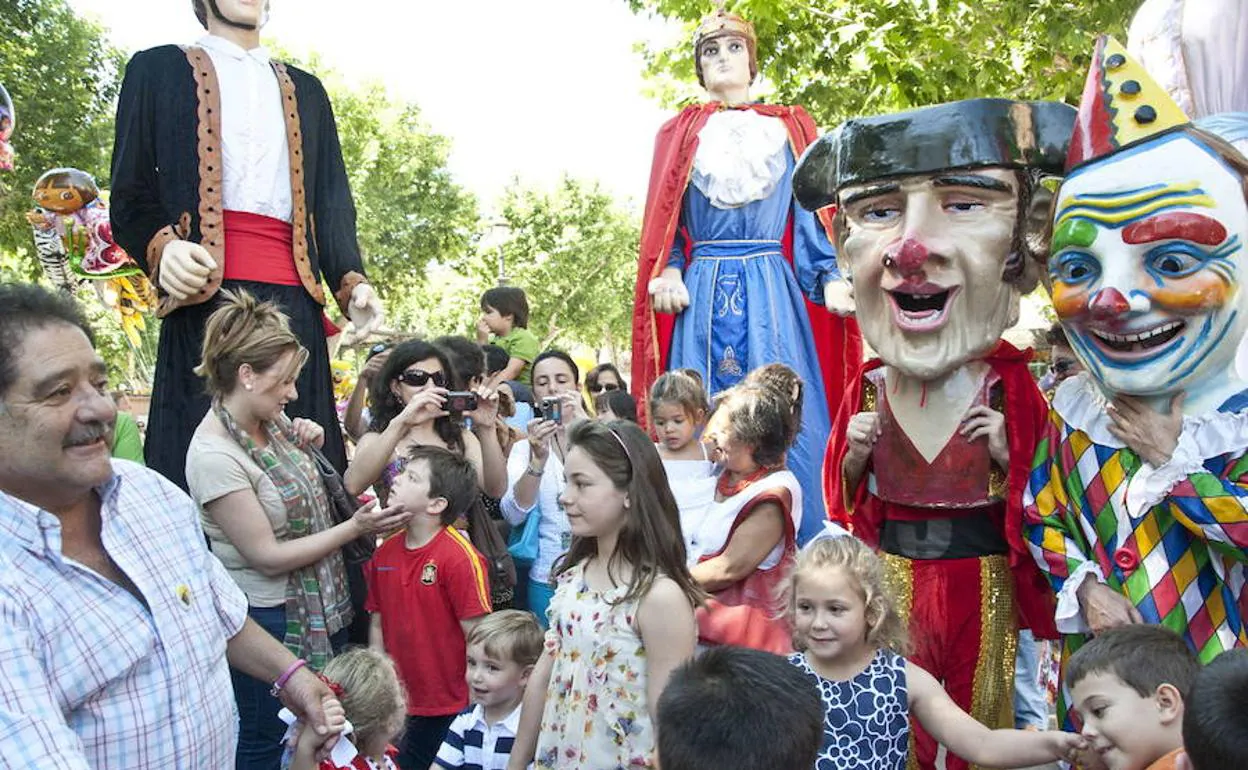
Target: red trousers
(964, 632)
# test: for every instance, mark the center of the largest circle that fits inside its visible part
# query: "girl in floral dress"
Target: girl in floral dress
(622, 616)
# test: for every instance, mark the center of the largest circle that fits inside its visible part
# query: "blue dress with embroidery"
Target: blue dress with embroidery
(746, 309)
(866, 722)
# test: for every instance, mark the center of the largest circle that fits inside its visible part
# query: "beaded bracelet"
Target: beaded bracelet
(286, 675)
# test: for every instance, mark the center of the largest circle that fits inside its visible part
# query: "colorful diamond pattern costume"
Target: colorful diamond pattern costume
(1173, 539)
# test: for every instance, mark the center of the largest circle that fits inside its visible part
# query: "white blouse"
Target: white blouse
(256, 174)
(554, 533)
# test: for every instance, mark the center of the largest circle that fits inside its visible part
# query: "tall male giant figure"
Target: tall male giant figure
(745, 270)
(1136, 504)
(227, 172)
(930, 450)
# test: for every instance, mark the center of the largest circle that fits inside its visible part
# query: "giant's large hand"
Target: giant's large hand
(365, 310)
(838, 297)
(1149, 433)
(668, 293)
(184, 268)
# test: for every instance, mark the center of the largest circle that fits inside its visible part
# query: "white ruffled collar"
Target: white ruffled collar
(740, 157)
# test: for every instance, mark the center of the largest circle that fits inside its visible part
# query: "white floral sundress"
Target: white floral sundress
(595, 716)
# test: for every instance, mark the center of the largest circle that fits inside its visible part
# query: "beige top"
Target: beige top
(215, 467)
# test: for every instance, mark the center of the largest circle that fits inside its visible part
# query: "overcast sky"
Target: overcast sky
(533, 88)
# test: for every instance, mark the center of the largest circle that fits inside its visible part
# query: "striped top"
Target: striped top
(472, 744)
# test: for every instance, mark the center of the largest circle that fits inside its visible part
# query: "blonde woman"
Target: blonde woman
(264, 506)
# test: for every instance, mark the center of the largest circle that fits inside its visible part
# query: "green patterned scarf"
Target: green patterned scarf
(318, 602)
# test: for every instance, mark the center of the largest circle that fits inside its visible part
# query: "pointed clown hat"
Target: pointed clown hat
(1121, 106)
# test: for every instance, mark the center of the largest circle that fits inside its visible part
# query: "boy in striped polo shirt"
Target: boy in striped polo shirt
(502, 650)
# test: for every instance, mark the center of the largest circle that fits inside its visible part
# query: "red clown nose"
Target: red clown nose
(909, 257)
(1108, 303)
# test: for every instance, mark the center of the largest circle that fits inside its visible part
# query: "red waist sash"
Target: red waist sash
(259, 248)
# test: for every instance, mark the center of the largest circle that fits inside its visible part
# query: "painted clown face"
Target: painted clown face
(1146, 259)
(926, 253)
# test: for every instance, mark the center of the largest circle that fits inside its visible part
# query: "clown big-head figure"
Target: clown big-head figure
(1147, 247)
(935, 212)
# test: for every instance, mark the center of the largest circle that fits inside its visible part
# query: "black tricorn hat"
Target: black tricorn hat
(967, 134)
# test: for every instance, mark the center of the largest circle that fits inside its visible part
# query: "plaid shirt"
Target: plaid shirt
(89, 677)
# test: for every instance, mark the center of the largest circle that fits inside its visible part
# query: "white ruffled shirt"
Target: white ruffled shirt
(740, 157)
(1081, 405)
(256, 170)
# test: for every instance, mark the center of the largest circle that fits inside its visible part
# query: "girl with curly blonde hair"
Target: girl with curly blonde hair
(851, 643)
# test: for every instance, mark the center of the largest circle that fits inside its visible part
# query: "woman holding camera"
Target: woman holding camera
(535, 470)
(264, 506)
(412, 406)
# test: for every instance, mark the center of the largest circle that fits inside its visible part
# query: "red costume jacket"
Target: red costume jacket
(1025, 411)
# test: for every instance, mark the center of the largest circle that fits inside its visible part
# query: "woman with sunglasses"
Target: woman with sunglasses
(408, 399)
(602, 378)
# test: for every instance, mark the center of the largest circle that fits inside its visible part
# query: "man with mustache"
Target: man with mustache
(930, 450)
(116, 623)
(227, 172)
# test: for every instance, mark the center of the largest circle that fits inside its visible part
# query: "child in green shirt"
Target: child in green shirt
(505, 314)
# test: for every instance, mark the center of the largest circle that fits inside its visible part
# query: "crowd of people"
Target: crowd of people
(760, 552)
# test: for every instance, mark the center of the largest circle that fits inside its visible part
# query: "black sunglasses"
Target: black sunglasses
(418, 377)
(599, 387)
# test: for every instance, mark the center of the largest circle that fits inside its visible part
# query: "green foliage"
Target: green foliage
(842, 58)
(63, 76)
(410, 212)
(574, 252)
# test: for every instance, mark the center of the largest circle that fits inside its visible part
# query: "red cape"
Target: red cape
(1025, 412)
(836, 339)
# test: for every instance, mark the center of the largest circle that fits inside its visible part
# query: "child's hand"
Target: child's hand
(1071, 747)
(483, 330)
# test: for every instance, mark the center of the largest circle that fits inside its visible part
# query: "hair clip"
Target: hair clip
(336, 688)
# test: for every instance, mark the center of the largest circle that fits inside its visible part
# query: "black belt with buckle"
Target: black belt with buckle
(967, 536)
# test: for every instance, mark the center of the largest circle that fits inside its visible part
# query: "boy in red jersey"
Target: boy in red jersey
(427, 588)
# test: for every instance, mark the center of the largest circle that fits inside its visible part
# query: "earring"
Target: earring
(246, 386)
(626, 502)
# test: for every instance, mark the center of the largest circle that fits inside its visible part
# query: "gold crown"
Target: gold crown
(720, 23)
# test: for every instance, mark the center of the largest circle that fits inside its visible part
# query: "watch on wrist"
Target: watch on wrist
(531, 471)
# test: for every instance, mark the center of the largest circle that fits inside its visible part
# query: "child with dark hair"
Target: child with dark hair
(427, 588)
(467, 361)
(495, 359)
(1214, 737)
(505, 314)
(621, 618)
(1130, 685)
(615, 405)
(678, 410)
(733, 708)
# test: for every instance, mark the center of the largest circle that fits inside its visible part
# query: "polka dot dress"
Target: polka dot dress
(866, 724)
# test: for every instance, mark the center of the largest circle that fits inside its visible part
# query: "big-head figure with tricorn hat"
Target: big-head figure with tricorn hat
(1135, 507)
(938, 211)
